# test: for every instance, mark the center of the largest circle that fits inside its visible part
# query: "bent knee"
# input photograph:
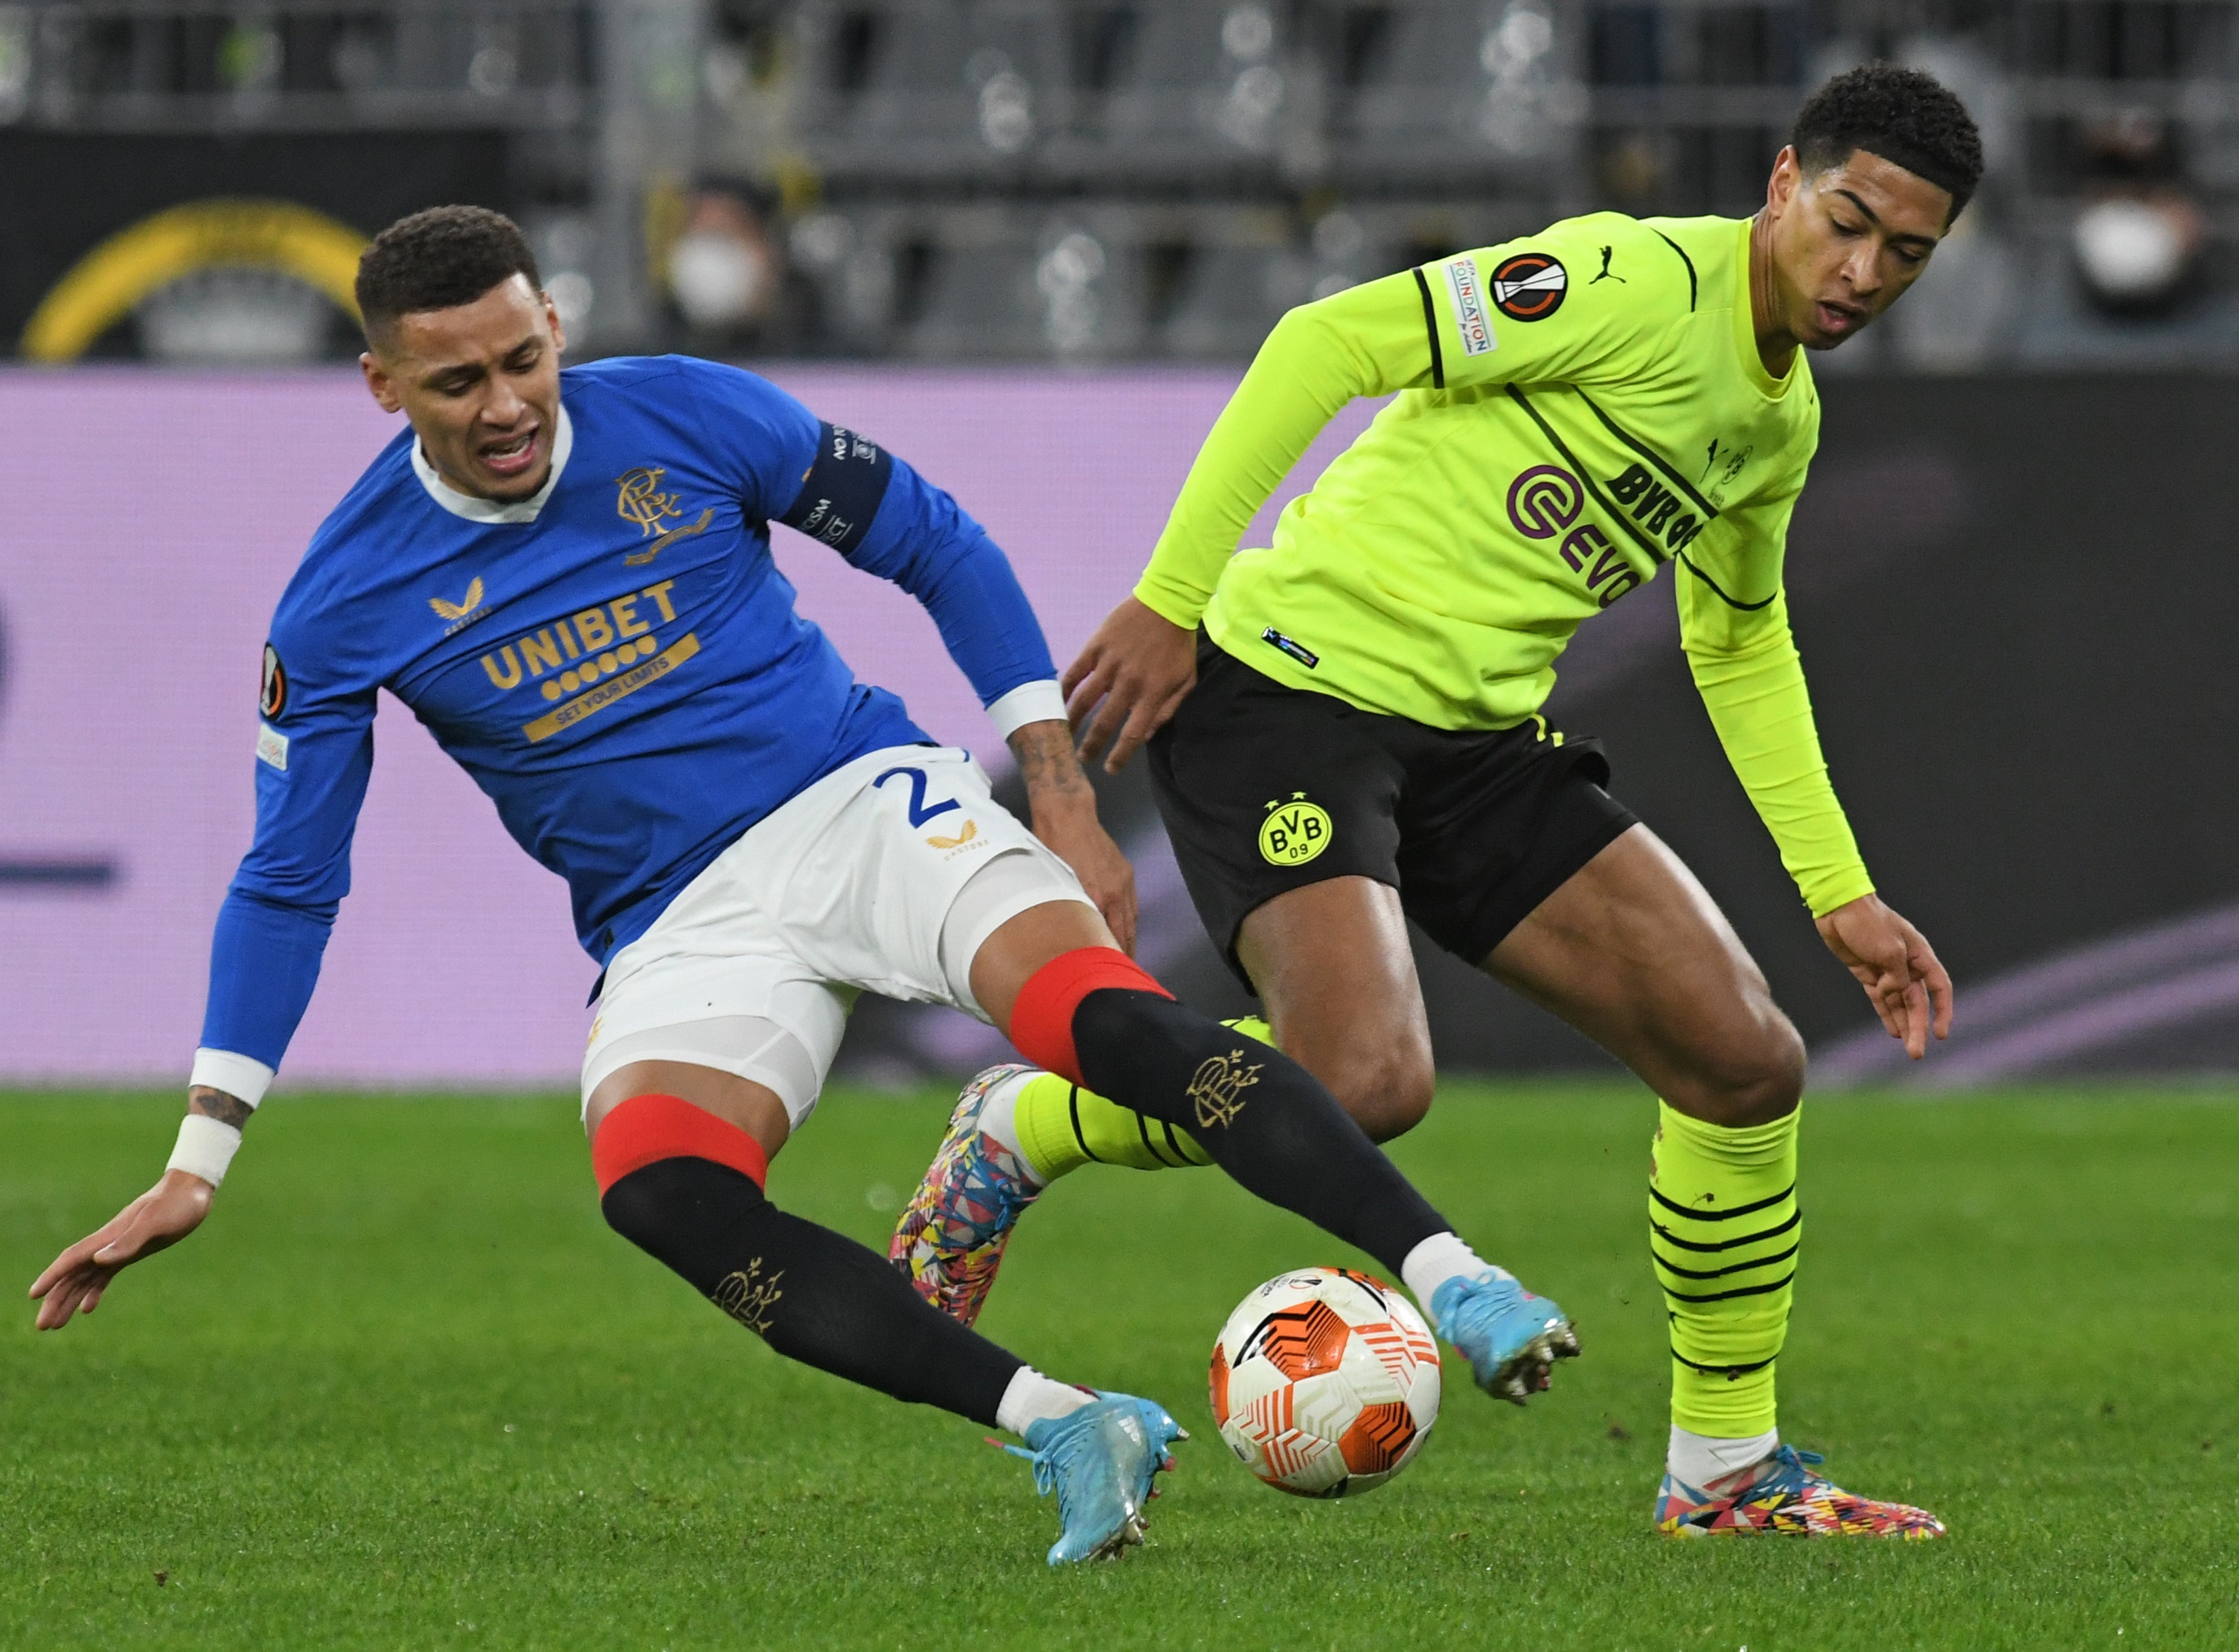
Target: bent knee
(1387, 1093)
(1753, 1084)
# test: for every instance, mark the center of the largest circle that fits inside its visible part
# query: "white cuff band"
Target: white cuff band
(1030, 702)
(206, 1147)
(245, 1080)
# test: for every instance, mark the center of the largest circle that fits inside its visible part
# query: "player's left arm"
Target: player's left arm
(854, 496)
(1063, 808)
(916, 535)
(1733, 622)
(313, 755)
(74, 1282)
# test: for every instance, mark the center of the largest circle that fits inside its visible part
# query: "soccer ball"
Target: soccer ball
(1325, 1382)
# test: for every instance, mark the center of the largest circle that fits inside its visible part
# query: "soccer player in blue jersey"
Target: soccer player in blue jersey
(567, 576)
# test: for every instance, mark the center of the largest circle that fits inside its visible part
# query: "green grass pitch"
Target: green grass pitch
(405, 1390)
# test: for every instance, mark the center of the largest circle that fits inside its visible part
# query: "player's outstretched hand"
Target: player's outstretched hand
(162, 1216)
(1105, 877)
(1893, 961)
(1142, 667)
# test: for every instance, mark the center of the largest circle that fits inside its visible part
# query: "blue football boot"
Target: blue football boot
(1101, 1461)
(1511, 1338)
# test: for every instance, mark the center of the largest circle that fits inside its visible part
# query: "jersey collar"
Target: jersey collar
(488, 510)
(1745, 332)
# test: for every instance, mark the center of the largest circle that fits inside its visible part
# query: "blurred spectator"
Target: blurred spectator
(723, 275)
(722, 270)
(2137, 241)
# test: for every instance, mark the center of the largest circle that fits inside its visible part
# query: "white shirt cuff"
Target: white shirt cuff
(1030, 702)
(239, 1077)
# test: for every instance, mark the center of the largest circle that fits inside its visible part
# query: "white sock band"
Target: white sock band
(1438, 1258)
(206, 1147)
(1697, 1459)
(1032, 1396)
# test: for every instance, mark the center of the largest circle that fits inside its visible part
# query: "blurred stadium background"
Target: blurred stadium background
(1029, 244)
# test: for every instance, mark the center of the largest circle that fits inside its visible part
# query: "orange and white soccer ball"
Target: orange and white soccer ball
(1325, 1382)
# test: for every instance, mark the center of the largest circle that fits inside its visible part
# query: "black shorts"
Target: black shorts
(1266, 788)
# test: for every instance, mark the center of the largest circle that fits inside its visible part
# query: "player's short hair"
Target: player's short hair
(437, 259)
(1908, 118)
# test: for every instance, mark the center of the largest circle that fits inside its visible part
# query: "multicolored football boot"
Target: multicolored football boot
(949, 1242)
(1781, 1497)
(1100, 1462)
(1511, 1338)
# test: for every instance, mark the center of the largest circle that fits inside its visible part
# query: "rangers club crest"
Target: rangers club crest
(1529, 287)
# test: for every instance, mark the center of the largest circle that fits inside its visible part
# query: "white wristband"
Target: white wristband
(206, 1147)
(1030, 702)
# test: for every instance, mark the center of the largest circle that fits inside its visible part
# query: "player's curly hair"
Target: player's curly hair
(1906, 117)
(438, 258)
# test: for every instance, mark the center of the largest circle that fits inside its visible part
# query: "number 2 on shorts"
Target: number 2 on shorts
(919, 813)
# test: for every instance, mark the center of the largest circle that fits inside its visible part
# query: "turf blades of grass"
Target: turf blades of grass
(405, 1390)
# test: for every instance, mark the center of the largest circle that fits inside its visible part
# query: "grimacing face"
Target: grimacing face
(1847, 242)
(481, 383)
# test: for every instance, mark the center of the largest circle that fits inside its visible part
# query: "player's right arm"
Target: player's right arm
(313, 755)
(1438, 328)
(162, 1216)
(1733, 623)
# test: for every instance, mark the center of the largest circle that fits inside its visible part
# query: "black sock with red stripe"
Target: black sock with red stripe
(1097, 1019)
(685, 1188)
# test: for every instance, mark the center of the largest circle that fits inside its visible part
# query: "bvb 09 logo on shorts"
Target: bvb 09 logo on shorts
(1294, 832)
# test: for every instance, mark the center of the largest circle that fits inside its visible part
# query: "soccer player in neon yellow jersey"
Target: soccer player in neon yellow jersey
(1345, 728)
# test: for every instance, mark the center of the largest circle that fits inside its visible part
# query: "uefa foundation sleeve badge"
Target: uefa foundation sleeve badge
(1294, 832)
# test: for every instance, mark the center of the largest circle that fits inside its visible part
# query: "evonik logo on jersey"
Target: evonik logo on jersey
(1545, 502)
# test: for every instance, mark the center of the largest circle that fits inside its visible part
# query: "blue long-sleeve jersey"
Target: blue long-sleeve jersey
(617, 662)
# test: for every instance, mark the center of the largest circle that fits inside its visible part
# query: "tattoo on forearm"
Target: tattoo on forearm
(216, 1104)
(1046, 762)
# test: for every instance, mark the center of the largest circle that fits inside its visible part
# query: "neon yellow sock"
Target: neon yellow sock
(1062, 1127)
(1725, 1231)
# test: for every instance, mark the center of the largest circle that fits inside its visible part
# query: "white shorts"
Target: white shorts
(886, 876)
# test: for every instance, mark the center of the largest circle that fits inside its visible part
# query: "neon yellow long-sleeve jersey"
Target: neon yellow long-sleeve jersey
(1576, 410)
